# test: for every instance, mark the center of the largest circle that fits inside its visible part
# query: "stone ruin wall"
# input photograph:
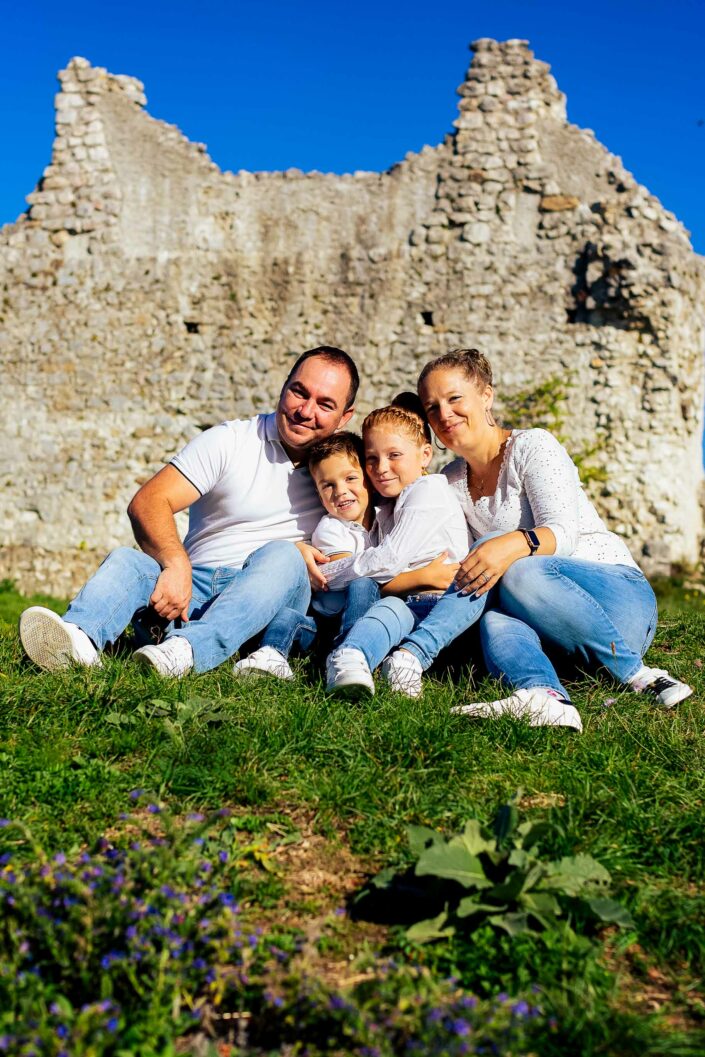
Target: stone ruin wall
(147, 294)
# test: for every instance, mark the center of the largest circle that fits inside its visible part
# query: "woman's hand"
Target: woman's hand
(484, 565)
(313, 558)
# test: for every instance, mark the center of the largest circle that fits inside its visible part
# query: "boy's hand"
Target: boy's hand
(313, 558)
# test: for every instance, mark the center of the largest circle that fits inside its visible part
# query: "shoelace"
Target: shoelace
(659, 685)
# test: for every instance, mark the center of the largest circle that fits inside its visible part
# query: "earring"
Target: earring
(489, 417)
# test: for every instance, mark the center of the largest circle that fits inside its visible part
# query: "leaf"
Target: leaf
(469, 906)
(611, 911)
(505, 823)
(117, 719)
(474, 838)
(160, 708)
(431, 929)
(453, 862)
(532, 833)
(515, 924)
(574, 873)
(383, 879)
(422, 837)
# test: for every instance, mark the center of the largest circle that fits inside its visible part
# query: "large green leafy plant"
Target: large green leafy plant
(491, 876)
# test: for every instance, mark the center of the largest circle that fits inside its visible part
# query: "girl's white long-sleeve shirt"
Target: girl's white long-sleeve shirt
(538, 487)
(425, 520)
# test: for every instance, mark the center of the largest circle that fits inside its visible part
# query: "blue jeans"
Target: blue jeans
(290, 625)
(602, 614)
(228, 606)
(423, 624)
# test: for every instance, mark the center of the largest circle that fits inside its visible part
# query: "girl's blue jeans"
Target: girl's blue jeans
(228, 606)
(291, 626)
(599, 614)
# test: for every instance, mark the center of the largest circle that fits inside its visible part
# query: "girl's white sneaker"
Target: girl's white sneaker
(348, 674)
(404, 673)
(540, 706)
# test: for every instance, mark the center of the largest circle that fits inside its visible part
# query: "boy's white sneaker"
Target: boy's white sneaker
(264, 661)
(658, 684)
(53, 643)
(173, 657)
(541, 706)
(348, 674)
(404, 673)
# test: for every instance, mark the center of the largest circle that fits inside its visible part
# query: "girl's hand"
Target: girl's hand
(438, 574)
(484, 565)
(313, 558)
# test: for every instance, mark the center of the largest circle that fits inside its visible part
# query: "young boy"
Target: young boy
(336, 465)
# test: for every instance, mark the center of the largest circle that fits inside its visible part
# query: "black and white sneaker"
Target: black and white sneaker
(661, 686)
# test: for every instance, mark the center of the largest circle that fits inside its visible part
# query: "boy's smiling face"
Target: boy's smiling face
(342, 487)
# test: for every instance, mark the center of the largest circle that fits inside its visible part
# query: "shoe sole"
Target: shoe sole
(260, 673)
(351, 691)
(568, 717)
(46, 641)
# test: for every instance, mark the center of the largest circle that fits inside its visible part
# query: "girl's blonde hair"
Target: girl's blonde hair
(410, 423)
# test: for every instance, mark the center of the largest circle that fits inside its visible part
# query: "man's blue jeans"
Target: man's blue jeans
(228, 606)
(423, 624)
(291, 625)
(600, 614)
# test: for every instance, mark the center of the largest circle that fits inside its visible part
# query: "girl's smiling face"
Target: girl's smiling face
(393, 459)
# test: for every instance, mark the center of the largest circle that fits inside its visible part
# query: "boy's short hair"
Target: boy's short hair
(343, 443)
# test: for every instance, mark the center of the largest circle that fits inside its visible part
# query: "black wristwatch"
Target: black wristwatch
(532, 540)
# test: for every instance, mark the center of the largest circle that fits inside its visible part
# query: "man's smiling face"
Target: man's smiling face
(312, 405)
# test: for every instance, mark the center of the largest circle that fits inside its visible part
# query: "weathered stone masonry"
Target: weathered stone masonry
(146, 294)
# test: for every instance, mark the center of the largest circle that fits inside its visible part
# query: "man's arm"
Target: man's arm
(152, 515)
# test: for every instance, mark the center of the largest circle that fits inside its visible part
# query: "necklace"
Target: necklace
(477, 484)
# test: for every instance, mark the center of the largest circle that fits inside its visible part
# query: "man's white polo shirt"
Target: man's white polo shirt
(251, 493)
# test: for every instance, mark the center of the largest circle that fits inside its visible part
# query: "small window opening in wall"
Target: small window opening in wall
(192, 328)
(427, 317)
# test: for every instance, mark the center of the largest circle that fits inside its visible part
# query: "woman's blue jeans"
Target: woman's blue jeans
(599, 614)
(290, 625)
(228, 606)
(423, 624)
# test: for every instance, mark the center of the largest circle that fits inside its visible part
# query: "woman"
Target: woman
(559, 575)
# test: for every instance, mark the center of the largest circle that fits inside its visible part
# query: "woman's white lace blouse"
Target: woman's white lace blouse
(538, 487)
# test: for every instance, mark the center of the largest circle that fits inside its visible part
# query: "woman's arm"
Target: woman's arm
(549, 479)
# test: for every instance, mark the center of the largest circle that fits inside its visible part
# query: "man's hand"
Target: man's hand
(172, 593)
(487, 563)
(313, 558)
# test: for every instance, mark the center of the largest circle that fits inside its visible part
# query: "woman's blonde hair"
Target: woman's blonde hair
(471, 362)
(411, 423)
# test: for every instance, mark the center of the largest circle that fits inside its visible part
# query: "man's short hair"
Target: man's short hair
(330, 354)
(342, 443)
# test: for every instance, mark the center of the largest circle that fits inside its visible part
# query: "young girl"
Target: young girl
(420, 517)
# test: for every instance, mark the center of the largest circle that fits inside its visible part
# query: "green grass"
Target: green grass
(630, 791)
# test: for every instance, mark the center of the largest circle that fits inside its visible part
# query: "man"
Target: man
(250, 502)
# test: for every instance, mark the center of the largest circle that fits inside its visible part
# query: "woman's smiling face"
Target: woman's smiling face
(393, 460)
(456, 407)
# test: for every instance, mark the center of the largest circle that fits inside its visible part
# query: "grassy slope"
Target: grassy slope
(630, 790)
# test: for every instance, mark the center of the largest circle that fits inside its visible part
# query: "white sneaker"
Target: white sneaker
(404, 673)
(53, 643)
(348, 674)
(661, 686)
(173, 657)
(540, 706)
(264, 661)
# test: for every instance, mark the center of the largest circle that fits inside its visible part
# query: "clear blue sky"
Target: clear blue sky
(339, 87)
